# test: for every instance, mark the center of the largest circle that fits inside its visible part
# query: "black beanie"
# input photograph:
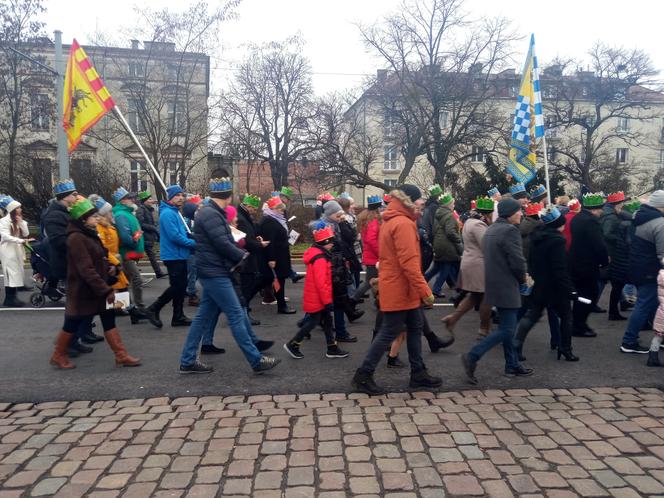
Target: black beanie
(411, 191)
(507, 207)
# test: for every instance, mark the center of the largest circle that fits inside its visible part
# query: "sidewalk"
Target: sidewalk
(538, 442)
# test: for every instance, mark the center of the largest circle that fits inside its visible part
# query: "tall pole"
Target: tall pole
(546, 169)
(63, 157)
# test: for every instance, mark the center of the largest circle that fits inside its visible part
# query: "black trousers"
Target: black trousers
(322, 317)
(149, 250)
(586, 287)
(73, 324)
(251, 284)
(562, 309)
(177, 289)
(615, 297)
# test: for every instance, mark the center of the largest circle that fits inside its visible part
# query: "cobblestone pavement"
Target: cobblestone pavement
(538, 442)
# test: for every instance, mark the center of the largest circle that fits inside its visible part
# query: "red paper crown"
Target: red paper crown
(533, 208)
(323, 234)
(387, 198)
(473, 204)
(273, 202)
(616, 197)
(574, 205)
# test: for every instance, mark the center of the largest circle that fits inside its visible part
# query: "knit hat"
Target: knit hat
(552, 217)
(533, 209)
(374, 202)
(251, 200)
(616, 197)
(82, 209)
(287, 192)
(144, 196)
(102, 206)
(411, 191)
(322, 232)
(596, 201)
(275, 202)
(13, 204)
(632, 206)
(507, 207)
(63, 188)
(173, 190)
(446, 199)
(656, 199)
(484, 205)
(331, 207)
(518, 191)
(435, 191)
(231, 213)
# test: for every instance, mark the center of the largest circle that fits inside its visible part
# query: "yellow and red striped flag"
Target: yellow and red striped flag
(86, 98)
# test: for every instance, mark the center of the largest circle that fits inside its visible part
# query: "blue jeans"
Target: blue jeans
(644, 310)
(503, 334)
(191, 275)
(444, 270)
(219, 296)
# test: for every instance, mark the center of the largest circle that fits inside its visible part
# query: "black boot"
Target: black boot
(136, 315)
(89, 337)
(252, 320)
(423, 379)
(567, 354)
(435, 343)
(363, 382)
(75, 345)
(152, 311)
(653, 359)
(11, 300)
(179, 319)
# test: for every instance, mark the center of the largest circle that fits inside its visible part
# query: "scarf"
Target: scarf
(277, 216)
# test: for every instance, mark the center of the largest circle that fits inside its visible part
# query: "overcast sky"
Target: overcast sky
(339, 61)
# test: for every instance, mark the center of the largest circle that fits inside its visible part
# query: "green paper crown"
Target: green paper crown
(632, 206)
(252, 200)
(435, 190)
(593, 200)
(80, 208)
(144, 196)
(287, 192)
(484, 204)
(446, 199)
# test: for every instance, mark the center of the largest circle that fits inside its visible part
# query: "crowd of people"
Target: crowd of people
(511, 257)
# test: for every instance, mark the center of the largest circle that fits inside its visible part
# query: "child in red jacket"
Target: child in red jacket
(317, 298)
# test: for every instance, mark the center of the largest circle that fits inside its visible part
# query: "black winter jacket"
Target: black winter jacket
(55, 224)
(615, 228)
(547, 263)
(145, 215)
(278, 250)
(246, 224)
(588, 251)
(216, 251)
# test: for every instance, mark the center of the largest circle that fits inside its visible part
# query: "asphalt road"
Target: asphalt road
(27, 341)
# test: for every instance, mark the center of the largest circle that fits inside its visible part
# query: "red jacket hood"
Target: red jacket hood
(310, 253)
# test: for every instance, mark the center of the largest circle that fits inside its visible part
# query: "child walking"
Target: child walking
(317, 298)
(658, 325)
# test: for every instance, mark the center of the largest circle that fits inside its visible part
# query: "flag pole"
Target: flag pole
(126, 126)
(546, 168)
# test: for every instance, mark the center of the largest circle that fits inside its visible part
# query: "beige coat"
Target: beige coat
(12, 252)
(471, 276)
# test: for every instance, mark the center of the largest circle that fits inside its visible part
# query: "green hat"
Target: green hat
(593, 201)
(446, 199)
(82, 209)
(287, 192)
(251, 200)
(435, 190)
(144, 196)
(632, 206)
(484, 205)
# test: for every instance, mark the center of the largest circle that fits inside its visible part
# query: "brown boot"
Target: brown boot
(59, 358)
(122, 358)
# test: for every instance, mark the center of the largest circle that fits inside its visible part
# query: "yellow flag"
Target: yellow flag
(86, 99)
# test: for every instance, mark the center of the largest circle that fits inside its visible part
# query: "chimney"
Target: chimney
(134, 44)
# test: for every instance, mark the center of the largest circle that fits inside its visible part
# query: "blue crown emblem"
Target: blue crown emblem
(64, 187)
(100, 203)
(493, 191)
(345, 195)
(120, 194)
(549, 214)
(538, 190)
(218, 185)
(374, 199)
(5, 200)
(517, 189)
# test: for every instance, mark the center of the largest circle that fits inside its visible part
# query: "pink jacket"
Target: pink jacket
(658, 325)
(370, 252)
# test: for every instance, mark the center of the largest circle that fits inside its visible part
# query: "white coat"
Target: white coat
(12, 252)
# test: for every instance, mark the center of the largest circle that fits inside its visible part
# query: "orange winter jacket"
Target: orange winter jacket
(401, 284)
(109, 238)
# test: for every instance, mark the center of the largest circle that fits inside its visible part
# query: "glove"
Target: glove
(429, 300)
(329, 308)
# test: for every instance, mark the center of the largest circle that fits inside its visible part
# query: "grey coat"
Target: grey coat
(504, 265)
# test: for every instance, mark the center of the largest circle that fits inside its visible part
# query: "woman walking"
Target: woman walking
(13, 237)
(368, 226)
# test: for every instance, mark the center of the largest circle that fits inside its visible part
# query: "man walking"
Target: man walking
(217, 256)
(175, 247)
(645, 261)
(504, 272)
(447, 246)
(145, 215)
(402, 290)
(425, 225)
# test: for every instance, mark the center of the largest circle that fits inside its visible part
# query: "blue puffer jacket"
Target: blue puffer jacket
(174, 243)
(216, 251)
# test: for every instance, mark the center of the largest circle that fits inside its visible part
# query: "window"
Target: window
(478, 154)
(176, 117)
(42, 174)
(40, 108)
(173, 170)
(138, 173)
(621, 155)
(134, 115)
(390, 157)
(444, 120)
(623, 125)
(81, 168)
(389, 126)
(661, 158)
(390, 182)
(135, 69)
(551, 154)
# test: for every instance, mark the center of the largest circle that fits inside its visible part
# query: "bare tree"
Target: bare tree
(592, 114)
(266, 110)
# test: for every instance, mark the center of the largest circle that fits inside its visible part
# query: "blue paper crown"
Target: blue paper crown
(221, 185)
(120, 194)
(549, 214)
(5, 200)
(318, 225)
(518, 188)
(493, 191)
(538, 190)
(345, 195)
(275, 193)
(64, 187)
(100, 203)
(374, 199)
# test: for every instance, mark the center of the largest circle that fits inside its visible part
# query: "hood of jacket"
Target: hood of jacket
(313, 251)
(645, 214)
(121, 208)
(400, 205)
(543, 233)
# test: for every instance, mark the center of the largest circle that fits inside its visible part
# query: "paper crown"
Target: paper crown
(144, 196)
(493, 191)
(220, 185)
(616, 197)
(534, 208)
(484, 204)
(345, 195)
(517, 189)
(99, 202)
(538, 192)
(120, 194)
(374, 199)
(251, 200)
(273, 202)
(80, 208)
(574, 205)
(549, 214)
(322, 231)
(287, 192)
(435, 190)
(593, 201)
(64, 187)
(387, 198)
(325, 197)
(632, 206)
(446, 199)
(473, 205)
(5, 200)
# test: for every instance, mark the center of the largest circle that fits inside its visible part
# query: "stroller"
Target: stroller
(41, 271)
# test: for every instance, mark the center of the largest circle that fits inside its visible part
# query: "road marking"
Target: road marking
(33, 309)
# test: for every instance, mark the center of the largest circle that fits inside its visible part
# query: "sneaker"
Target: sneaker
(196, 368)
(293, 350)
(211, 349)
(633, 348)
(335, 352)
(266, 363)
(269, 302)
(346, 338)
(520, 371)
